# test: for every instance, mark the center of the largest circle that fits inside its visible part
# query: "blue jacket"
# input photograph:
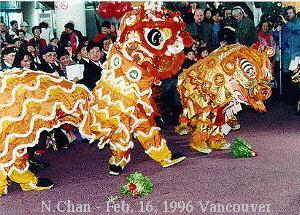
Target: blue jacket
(290, 42)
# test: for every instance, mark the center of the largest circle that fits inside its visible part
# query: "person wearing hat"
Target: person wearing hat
(24, 26)
(49, 61)
(50, 65)
(8, 57)
(245, 31)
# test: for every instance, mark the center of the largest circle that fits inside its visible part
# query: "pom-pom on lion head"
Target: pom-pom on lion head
(154, 38)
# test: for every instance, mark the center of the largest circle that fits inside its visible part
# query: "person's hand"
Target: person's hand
(283, 19)
(230, 28)
(279, 28)
(223, 43)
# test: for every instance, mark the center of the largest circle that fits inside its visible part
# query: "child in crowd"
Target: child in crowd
(202, 53)
(190, 58)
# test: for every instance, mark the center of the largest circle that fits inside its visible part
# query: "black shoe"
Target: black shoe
(61, 140)
(159, 121)
(44, 183)
(36, 165)
(177, 155)
(115, 170)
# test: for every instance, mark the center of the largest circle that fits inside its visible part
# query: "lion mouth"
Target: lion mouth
(258, 96)
(169, 66)
(237, 94)
(240, 97)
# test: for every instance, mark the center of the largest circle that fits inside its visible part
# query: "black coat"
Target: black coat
(91, 74)
(65, 38)
(45, 67)
(6, 38)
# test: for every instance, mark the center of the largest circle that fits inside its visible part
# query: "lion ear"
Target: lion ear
(269, 51)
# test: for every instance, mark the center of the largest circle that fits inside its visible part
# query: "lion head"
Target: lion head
(231, 73)
(154, 38)
(251, 73)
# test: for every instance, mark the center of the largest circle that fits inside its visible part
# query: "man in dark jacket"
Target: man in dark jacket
(172, 108)
(93, 69)
(49, 61)
(5, 38)
(71, 37)
(201, 30)
(246, 33)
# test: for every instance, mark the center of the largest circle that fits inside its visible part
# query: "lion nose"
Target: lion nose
(266, 92)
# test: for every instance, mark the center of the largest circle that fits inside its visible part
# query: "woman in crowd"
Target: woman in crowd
(264, 35)
(82, 56)
(23, 60)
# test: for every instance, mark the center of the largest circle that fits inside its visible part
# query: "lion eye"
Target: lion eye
(154, 37)
(248, 68)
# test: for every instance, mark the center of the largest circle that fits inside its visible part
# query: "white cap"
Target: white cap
(24, 24)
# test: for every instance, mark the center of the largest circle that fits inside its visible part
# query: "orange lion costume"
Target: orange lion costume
(212, 89)
(149, 48)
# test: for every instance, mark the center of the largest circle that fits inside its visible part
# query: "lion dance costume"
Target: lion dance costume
(212, 90)
(149, 48)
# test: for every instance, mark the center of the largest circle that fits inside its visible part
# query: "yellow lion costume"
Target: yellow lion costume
(149, 48)
(212, 89)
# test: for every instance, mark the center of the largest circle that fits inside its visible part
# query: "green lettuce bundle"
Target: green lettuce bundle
(137, 185)
(240, 148)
